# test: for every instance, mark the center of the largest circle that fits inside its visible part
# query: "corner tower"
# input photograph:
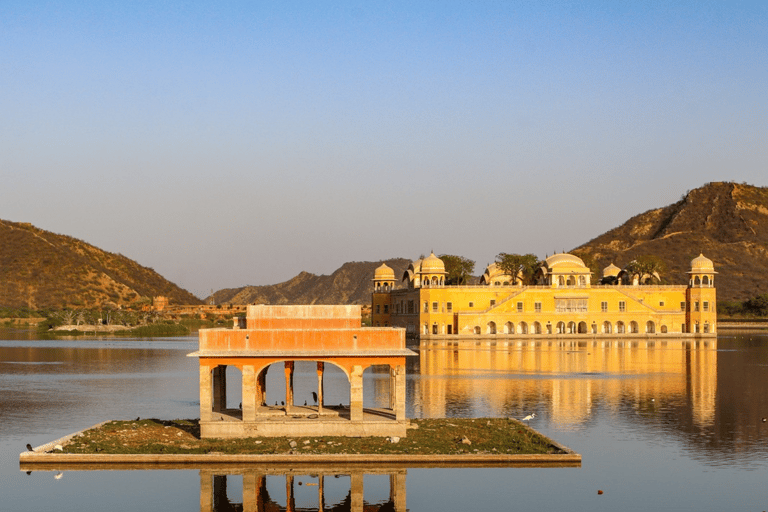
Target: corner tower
(383, 283)
(701, 314)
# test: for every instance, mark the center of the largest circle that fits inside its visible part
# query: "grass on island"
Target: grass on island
(500, 436)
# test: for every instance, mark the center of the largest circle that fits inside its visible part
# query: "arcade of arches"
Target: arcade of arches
(278, 336)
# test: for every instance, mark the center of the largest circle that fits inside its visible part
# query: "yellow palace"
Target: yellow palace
(563, 303)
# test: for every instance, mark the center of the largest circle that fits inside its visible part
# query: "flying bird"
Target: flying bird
(58, 475)
(529, 417)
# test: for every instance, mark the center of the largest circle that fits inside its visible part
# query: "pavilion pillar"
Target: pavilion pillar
(356, 394)
(206, 393)
(356, 491)
(220, 388)
(261, 492)
(261, 388)
(320, 493)
(250, 495)
(290, 501)
(392, 388)
(250, 391)
(206, 491)
(397, 490)
(320, 371)
(400, 393)
(288, 386)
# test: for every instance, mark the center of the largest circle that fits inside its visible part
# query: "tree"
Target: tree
(518, 266)
(648, 268)
(757, 306)
(458, 268)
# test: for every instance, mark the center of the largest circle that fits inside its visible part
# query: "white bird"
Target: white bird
(58, 475)
(529, 417)
(58, 448)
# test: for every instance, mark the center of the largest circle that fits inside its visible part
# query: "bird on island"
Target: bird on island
(275, 403)
(137, 418)
(305, 402)
(314, 396)
(529, 417)
(282, 403)
(29, 448)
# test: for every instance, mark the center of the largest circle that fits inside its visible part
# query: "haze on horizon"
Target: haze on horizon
(241, 143)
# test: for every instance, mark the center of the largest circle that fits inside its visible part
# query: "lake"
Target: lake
(659, 428)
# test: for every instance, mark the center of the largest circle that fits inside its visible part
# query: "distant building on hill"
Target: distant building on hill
(159, 303)
(563, 302)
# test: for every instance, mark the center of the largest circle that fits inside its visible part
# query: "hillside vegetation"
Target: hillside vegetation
(44, 270)
(727, 222)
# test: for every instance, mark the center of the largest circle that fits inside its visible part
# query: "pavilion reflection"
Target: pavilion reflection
(568, 379)
(256, 495)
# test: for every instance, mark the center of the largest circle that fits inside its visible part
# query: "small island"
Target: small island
(445, 441)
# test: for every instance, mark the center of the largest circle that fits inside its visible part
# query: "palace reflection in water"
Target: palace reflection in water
(256, 496)
(568, 379)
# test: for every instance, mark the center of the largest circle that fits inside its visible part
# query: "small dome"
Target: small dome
(611, 271)
(432, 265)
(384, 273)
(564, 259)
(702, 263)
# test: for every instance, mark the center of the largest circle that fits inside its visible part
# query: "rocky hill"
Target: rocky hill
(40, 269)
(350, 284)
(727, 222)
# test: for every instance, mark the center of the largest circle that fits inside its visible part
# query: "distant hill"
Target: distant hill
(727, 222)
(40, 269)
(350, 284)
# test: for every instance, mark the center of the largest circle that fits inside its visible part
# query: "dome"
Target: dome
(611, 271)
(702, 264)
(432, 265)
(564, 259)
(384, 273)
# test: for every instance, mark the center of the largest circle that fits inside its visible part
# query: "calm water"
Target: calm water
(659, 428)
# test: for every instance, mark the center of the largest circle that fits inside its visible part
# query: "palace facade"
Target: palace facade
(563, 302)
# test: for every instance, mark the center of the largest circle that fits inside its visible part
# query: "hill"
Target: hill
(727, 222)
(40, 269)
(350, 284)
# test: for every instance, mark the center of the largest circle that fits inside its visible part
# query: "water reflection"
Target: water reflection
(293, 490)
(566, 383)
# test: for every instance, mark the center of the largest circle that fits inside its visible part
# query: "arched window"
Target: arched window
(607, 328)
(650, 327)
(620, 327)
(491, 328)
(561, 281)
(509, 328)
(560, 327)
(633, 327)
(664, 329)
(523, 328)
(705, 281)
(536, 328)
(477, 329)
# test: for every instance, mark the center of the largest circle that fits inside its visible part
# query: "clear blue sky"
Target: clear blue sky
(234, 143)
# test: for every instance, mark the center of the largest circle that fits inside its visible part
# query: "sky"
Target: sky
(226, 144)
